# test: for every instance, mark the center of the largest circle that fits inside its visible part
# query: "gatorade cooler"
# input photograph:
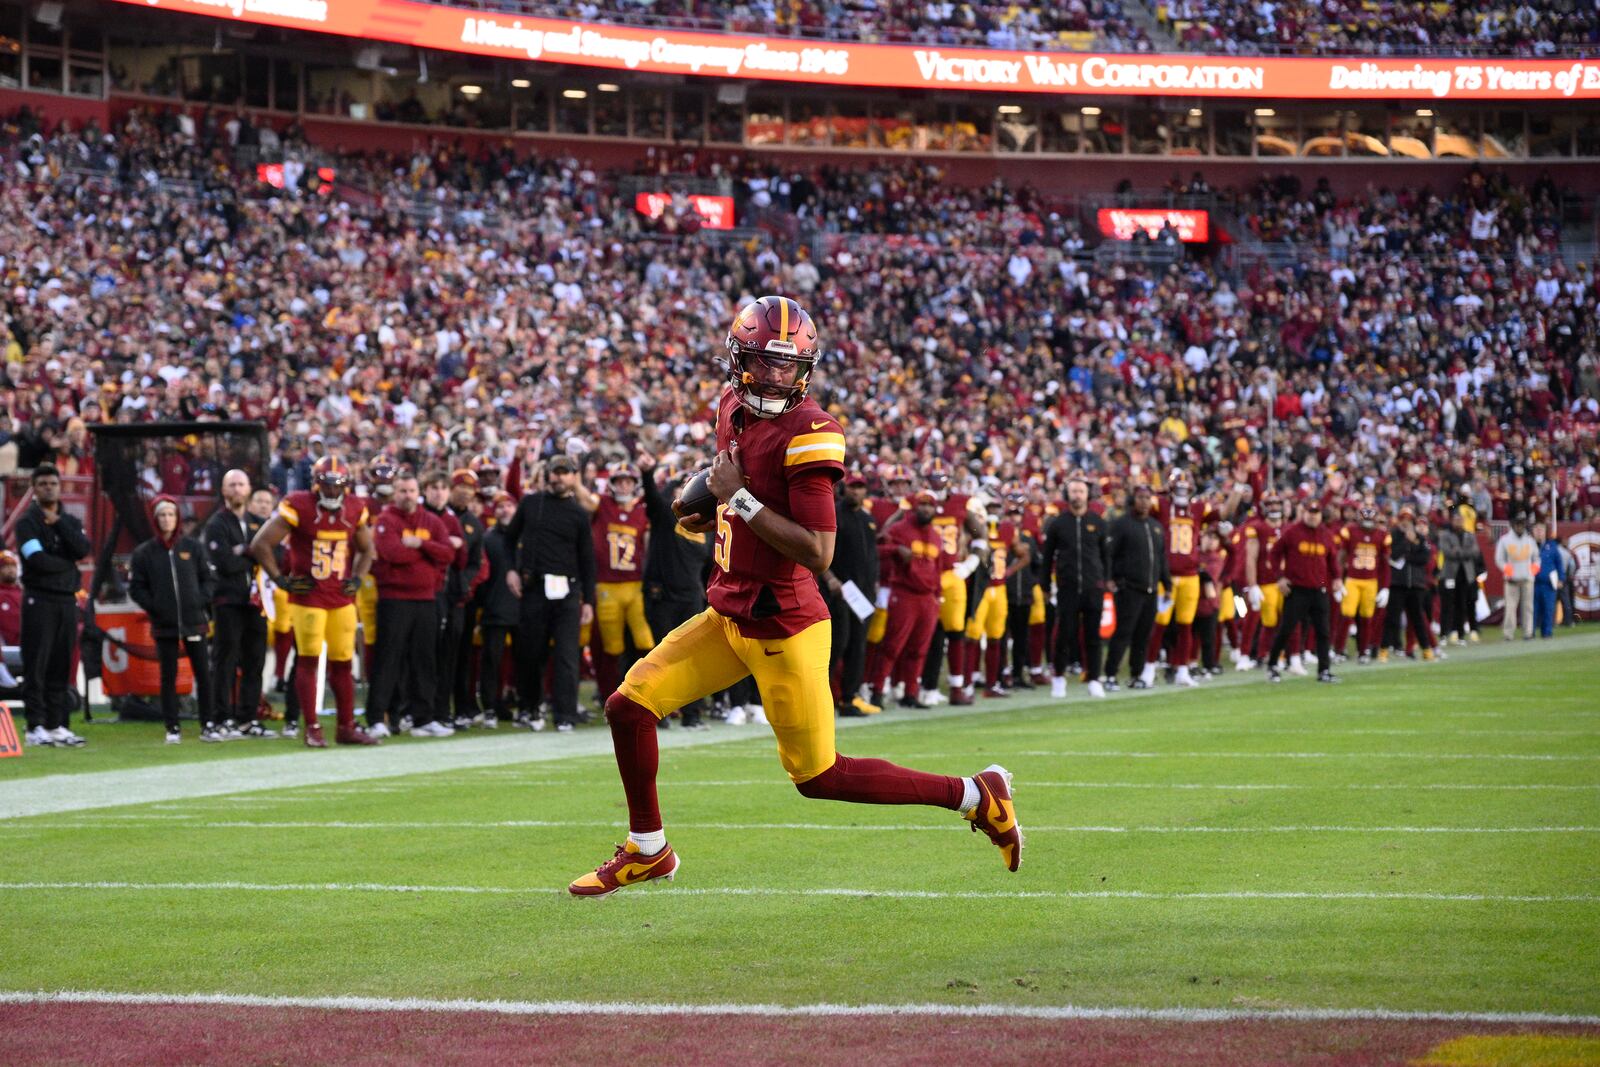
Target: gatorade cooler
(128, 665)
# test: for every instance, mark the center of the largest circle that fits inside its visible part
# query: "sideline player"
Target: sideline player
(778, 457)
(330, 552)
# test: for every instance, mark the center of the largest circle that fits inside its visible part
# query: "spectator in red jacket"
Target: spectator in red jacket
(10, 599)
(413, 546)
(1308, 558)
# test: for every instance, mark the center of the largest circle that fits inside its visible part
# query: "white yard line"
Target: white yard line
(777, 782)
(762, 891)
(289, 769)
(625, 1009)
(585, 824)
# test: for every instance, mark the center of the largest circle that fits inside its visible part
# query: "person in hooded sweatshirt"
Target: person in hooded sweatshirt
(170, 577)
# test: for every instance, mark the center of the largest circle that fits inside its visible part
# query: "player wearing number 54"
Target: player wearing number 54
(330, 551)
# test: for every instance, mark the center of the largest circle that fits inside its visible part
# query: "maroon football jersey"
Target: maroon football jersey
(767, 594)
(322, 544)
(1183, 533)
(619, 540)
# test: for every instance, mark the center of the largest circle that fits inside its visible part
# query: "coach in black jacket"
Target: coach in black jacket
(170, 578)
(500, 610)
(1408, 582)
(50, 541)
(239, 641)
(1077, 555)
(1138, 568)
(674, 568)
(855, 559)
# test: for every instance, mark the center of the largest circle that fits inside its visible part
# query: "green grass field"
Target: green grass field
(1420, 838)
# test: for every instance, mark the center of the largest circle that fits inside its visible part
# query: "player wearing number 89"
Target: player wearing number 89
(778, 457)
(330, 552)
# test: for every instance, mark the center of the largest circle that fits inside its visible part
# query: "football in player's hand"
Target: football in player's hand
(697, 503)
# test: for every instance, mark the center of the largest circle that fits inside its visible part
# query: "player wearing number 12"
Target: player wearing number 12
(330, 552)
(778, 457)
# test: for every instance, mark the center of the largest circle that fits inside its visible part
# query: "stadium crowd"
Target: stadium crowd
(490, 315)
(1530, 28)
(1073, 24)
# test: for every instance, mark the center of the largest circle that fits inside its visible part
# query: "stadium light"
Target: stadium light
(1424, 113)
(574, 94)
(1010, 109)
(1091, 111)
(471, 90)
(1265, 112)
(607, 87)
(520, 83)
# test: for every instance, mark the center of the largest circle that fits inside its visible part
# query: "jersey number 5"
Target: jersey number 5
(722, 551)
(328, 559)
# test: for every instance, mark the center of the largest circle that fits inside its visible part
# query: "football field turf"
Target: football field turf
(1424, 838)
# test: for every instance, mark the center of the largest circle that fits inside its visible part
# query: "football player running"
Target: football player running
(778, 457)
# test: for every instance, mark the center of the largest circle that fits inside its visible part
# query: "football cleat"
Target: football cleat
(313, 736)
(1096, 690)
(627, 867)
(865, 707)
(1383, 655)
(1058, 687)
(1184, 678)
(995, 814)
(355, 735)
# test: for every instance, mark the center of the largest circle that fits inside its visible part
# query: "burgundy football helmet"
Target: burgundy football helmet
(330, 480)
(772, 350)
(381, 473)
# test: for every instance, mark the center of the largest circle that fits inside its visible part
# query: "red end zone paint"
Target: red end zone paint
(164, 1034)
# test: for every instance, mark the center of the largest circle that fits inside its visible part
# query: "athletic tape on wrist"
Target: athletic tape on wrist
(745, 504)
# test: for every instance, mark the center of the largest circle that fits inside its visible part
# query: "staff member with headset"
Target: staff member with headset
(1138, 570)
(51, 542)
(170, 578)
(239, 642)
(554, 548)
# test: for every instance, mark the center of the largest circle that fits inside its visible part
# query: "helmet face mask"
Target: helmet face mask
(381, 473)
(772, 349)
(330, 480)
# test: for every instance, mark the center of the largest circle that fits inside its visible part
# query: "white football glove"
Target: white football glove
(1241, 608)
(1163, 604)
(1383, 598)
(1254, 594)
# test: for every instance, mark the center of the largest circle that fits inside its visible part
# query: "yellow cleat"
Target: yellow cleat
(996, 815)
(627, 867)
(865, 707)
(1383, 655)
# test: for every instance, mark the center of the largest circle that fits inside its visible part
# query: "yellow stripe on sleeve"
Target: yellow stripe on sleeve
(289, 514)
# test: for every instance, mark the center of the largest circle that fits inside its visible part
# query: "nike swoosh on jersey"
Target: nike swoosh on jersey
(819, 425)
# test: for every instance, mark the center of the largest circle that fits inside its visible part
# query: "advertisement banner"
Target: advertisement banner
(789, 59)
(1192, 227)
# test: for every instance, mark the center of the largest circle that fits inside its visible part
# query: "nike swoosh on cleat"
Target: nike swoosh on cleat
(1002, 816)
(633, 872)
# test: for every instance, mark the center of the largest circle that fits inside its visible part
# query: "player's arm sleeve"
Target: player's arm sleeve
(821, 449)
(289, 513)
(1335, 566)
(811, 500)
(1383, 561)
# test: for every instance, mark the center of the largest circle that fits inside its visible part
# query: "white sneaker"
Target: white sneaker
(63, 736)
(1296, 667)
(230, 732)
(379, 730)
(406, 725)
(756, 714)
(439, 729)
(491, 722)
(736, 716)
(1233, 656)
(174, 737)
(1097, 690)
(420, 731)
(1058, 687)
(899, 691)
(40, 736)
(1245, 663)
(1184, 678)
(932, 698)
(212, 737)
(1148, 675)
